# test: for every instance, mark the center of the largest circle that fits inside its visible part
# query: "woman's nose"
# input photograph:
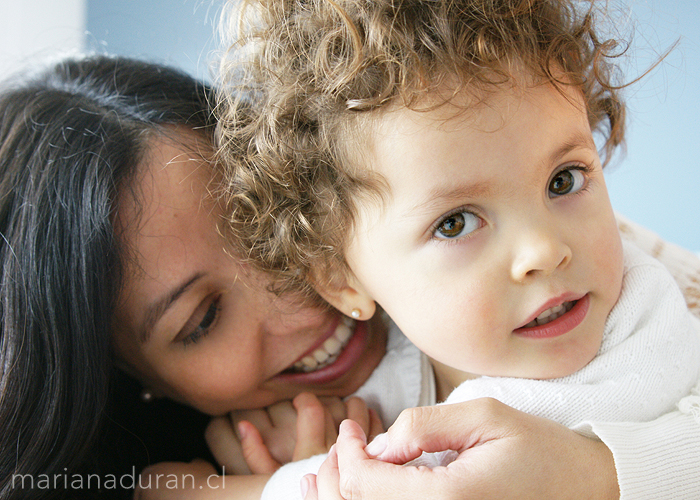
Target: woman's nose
(539, 251)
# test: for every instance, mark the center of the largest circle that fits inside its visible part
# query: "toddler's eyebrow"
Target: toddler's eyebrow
(578, 140)
(443, 193)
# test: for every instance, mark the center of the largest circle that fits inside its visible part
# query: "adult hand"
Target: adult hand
(503, 453)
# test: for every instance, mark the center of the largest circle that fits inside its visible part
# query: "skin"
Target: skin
(224, 342)
(515, 437)
(484, 432)
(493, 215)
(476, 236)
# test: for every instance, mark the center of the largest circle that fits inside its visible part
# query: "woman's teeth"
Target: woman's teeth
(328, 352)
(551, 314)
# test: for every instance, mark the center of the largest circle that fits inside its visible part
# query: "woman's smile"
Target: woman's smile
(339, 353)
(326, 350)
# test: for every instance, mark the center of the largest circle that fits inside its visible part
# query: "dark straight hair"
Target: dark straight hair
(71, 138)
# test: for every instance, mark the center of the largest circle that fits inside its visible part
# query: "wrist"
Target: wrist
(603, 472)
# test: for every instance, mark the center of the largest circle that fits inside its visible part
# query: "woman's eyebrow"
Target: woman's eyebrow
(156, 309)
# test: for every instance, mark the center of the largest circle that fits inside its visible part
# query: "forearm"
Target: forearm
(196, 480)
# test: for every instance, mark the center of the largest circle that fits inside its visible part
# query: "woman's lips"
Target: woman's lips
(556, 321)
(348, 355)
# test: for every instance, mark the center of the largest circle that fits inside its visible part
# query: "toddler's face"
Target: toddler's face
(493, 218)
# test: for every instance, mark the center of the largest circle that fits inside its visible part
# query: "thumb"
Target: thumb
(361, 476)
(444, 427)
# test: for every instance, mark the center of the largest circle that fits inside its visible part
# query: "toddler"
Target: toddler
(438, 158)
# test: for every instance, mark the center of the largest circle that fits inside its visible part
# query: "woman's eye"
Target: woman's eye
(567, 181)
(457, 225)
(204, 325)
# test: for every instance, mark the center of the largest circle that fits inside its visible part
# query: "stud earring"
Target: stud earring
(356, 313)
(146, 395)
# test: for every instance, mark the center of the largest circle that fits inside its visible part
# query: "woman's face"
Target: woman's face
(195, 325)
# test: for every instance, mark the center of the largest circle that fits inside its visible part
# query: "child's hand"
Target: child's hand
(318, 421)
(260, 441)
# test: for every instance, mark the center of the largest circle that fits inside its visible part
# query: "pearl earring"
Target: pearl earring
(147, 395)
(356, 313)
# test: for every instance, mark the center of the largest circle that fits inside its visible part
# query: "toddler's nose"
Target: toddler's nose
(539, 250)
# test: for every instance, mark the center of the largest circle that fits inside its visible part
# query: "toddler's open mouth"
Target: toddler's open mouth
(551, 314)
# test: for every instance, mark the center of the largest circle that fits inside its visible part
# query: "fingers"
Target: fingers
(376, 426)
(316, 429)
(282, 415)
(326, 486)
(444, 427)
(309, 490)
(359, 476)
(277, 426)
(255, 452)
(366, 417)
(336, 407)
(225, 446)
(317, 422)
(357, 410)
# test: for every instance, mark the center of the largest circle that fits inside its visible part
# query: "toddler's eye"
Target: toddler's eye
(457, 225)
(566, 181)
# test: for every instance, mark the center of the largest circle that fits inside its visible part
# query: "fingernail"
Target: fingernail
(378, 445)
(304, 486)
(242, 430)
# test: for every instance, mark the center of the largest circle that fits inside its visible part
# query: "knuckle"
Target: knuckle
(305, 400)
(411, 418)
(488, 407)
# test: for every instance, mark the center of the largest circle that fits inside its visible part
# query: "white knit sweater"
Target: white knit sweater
(649, 359)
(657, 460)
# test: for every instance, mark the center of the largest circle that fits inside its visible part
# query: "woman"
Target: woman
(111, 256)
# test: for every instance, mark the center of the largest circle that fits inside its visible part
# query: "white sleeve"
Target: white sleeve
(285, 484)
(658, 460)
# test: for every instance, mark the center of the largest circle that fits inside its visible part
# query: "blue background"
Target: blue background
(657, 182)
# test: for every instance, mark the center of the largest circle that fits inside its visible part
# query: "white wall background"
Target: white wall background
(656, 184)
(175, 32)
(32, 29)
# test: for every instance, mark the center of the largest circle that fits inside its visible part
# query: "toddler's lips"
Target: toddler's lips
(551, 314)
(557, 320)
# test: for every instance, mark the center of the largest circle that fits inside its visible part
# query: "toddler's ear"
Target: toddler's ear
(350, 298)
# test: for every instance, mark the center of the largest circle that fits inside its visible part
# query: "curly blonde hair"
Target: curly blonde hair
(305, 78)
